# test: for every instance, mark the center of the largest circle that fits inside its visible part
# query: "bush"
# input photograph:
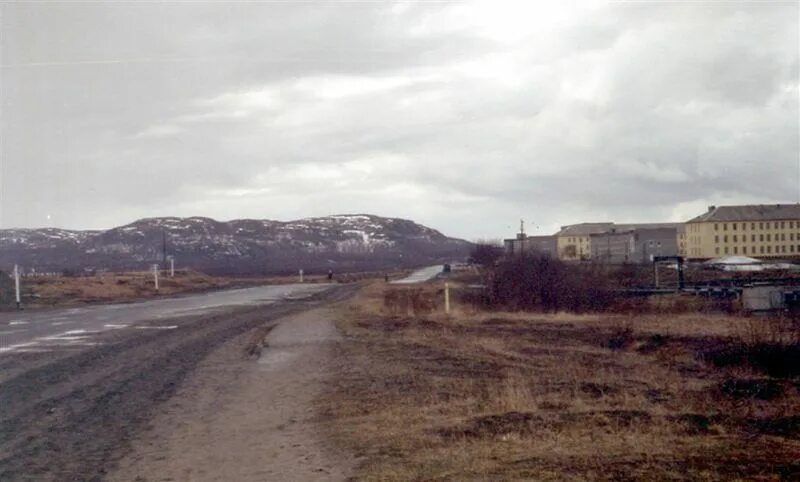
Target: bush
(540, 282)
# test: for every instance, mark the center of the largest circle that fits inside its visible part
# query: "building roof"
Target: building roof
(587, 229)
(752, 212)
(584, 229)
(634, 227)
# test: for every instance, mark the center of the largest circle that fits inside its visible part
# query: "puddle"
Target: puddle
(272, 359)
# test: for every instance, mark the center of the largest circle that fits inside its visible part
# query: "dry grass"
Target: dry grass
(496, 396)
(63, 290)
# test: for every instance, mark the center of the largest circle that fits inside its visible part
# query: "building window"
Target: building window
(775, 225)
(760, 225)
(716, 227)
(724, 226)
(734, 226)
(726, 250)
(791, 248)
(783, 236)
(752, 226)
(783, 225)
(744, 249)
(769, 249)
(734, 238)
(716, 250)
(725, 238)
(761, 249)
(735, 250)
(716, 238)
(753, 238)
(769, 236)
(761, 237)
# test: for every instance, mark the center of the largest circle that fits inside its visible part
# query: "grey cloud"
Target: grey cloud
(117, 111)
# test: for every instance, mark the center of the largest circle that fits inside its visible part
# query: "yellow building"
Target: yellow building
(682, 240)
(573, 242)
(757, 231)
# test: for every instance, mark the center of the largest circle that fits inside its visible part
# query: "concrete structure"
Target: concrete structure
(634, 243)
(612, 246)
(761, 231)
(531, 244)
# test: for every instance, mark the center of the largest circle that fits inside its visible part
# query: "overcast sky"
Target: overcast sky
(464, 116)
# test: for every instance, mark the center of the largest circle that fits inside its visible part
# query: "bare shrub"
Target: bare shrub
(540, 282)
(769, 345)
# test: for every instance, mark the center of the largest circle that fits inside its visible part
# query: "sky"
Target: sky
(463, 116)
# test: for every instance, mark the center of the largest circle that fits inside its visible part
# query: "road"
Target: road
(420, 275)
(75, 403)
(38, 331)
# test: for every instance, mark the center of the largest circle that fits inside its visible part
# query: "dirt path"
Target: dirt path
(246, 420)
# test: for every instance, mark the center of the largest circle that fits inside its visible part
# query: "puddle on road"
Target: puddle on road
(275, 359)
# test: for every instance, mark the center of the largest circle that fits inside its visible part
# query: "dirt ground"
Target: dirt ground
(244, 420)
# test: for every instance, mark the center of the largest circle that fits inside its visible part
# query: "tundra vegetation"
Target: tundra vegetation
(568, 385)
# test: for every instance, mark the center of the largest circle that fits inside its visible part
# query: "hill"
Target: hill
(244, 246)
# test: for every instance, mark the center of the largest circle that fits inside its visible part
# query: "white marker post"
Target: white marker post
(155, 275)
(16, 285)
(171, 267)
(301, 275)
(447, 298)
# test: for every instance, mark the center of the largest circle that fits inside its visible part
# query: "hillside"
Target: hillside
(242, 246)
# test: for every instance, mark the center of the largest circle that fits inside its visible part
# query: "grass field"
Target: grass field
(510, 396)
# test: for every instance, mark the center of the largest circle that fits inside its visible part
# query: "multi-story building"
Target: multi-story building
(635, 243)
(758, 231)
(682, 240)
(574, 242)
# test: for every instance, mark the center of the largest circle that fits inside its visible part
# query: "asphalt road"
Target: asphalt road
(420, 275)
(37, 331)
(71, 404)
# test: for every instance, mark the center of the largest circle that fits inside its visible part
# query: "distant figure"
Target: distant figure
(386, 277)
(330, 275)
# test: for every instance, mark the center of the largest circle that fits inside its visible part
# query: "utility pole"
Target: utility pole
(16, 285)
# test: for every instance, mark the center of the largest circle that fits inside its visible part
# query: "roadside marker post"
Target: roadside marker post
(447, 298)
(16, 285)
(171, 267)
(301, 275)
(155, 275)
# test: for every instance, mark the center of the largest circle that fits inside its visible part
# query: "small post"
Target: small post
(171, 267)
(16, 285)
(155, 275)
(447, 297)
(655, 272)
(301, 275)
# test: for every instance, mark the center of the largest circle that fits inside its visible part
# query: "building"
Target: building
(635, 243)
(682, 240)
(531, 244)
(617, 243)
(759, 231)
(574, 243)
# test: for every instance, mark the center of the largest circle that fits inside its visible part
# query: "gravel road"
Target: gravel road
(74, 415)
